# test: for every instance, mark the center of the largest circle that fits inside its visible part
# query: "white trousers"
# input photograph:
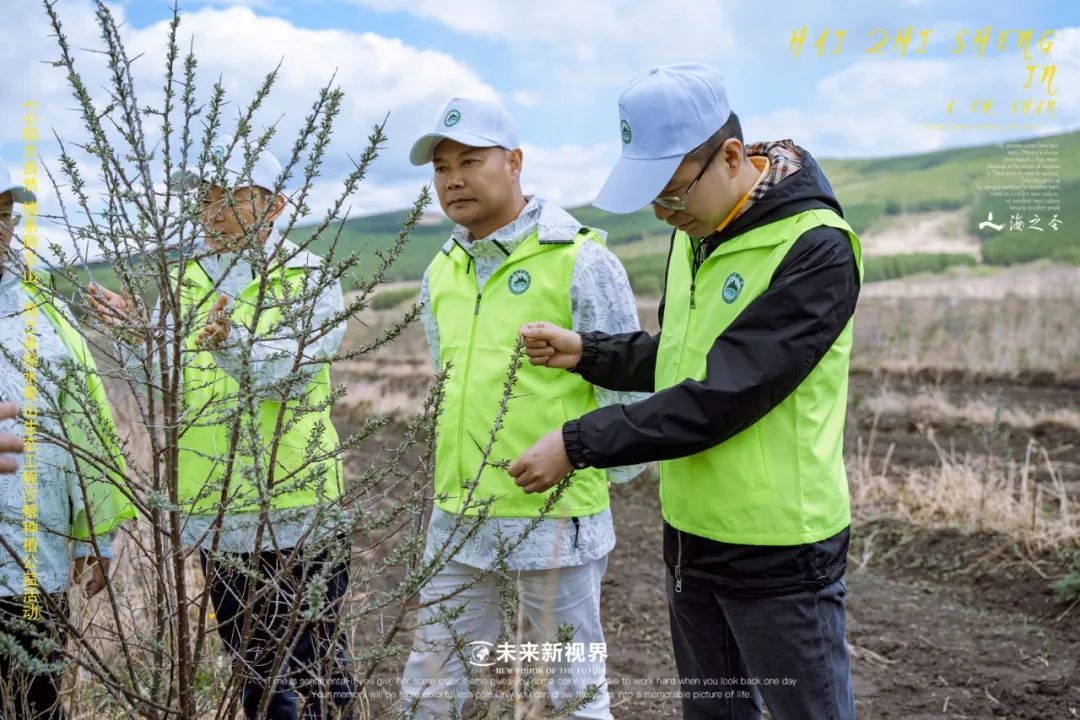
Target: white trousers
(435, 677)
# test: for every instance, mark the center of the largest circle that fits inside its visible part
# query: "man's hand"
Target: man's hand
(217, 327)
(551, 345)
(113, 309)
(542, 465)
(9, 443)
(100, 569)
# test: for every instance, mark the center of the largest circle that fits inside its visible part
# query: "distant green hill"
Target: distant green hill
(378, 232)
(872, 192)
(942, 180)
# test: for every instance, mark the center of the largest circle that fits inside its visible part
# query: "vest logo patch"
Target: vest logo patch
(451, 118)
(519, 281)
(626, 135)
(732, 287)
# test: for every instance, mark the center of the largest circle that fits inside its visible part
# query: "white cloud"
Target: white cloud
(569, 174)
(600, 42)
(263, 5)
(584, 29)
(877, 107)
(379, 75)
(561, 63)
(526, 98)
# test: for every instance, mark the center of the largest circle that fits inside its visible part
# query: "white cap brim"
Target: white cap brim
(633, 184)
(423, 150)
(20, 194)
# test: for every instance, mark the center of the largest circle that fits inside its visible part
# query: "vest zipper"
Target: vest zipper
(678, 373)
(678, 561)
(577, 529)
(470, 267)
(694, 265)
(693, 306)
(468, 364)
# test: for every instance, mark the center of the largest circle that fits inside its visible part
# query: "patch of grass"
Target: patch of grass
(978, 493)
(1003, 336)
(1067, 589)
(890, 267)
(392, 297)
(646, 273)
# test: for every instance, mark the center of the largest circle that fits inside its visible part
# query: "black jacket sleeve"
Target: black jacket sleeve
(619, 362)
(624, 362)
(762, 356)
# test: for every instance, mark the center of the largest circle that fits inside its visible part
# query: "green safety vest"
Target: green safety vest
(107, 498)
(782, 480)
(209, 394)
(477, 335)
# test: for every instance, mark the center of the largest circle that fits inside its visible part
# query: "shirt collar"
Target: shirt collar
(551, 222)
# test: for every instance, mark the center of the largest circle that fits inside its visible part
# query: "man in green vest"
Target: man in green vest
(257, 522)
(510, 257)
(59, 509)
(750, 379)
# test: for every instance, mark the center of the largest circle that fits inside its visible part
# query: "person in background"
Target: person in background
(275, 560)
(58, 514)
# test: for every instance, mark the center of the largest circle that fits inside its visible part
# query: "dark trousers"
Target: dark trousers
(315, 658)
(733, 653)
(33, 695)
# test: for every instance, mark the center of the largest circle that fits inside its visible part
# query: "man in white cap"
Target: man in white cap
(242, 258)
(510, 257)
(58, 511)
(747, 420)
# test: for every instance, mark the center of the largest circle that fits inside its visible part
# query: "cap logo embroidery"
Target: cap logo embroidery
(451, 118)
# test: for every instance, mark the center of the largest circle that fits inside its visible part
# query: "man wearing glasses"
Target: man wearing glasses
(750, 380)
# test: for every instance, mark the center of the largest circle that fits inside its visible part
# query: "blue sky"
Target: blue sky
(559, 68)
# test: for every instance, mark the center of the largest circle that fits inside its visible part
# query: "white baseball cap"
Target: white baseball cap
(476, 123)
(264, 172)
(663, 115)
(19, 193)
